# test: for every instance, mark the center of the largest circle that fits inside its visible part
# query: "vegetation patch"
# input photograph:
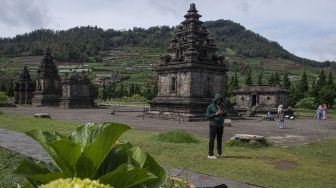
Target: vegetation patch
(279, 164)
(250, 144)
(177, 136)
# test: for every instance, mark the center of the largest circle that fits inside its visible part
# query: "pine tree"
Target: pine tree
(321, 80)
(286, 81)
(276, 79)
(330, 80)
(303, 85)
(248, 80)
(260, 77)
(271, 80)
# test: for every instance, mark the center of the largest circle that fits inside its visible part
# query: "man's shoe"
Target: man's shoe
(221, 156)
(211, 157)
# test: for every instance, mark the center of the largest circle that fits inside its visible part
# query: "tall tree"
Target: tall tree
(271, 80)
(248, 80)
(286, 81)
(276, 79)
(303, 85)
(321, 79)
(260, 77)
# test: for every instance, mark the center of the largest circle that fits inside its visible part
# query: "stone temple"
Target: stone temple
(48, 85)
(77, 92)
(23, 91)
(261, 98)
(190, 74)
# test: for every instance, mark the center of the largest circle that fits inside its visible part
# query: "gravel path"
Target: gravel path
(296, 132)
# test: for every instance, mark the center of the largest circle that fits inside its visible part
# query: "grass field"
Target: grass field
(311, 165)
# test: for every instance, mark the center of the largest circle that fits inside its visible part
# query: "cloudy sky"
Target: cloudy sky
(306, 28)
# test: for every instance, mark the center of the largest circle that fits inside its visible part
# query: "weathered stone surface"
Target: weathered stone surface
(247, 137)
(191, 73)
(42, 115)
(77, 92)
(261, 98)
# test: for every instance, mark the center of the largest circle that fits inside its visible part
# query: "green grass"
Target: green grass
(177, 136)
(9, 161)
(313, 165)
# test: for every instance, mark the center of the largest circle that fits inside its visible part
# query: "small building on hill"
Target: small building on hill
(261, 98)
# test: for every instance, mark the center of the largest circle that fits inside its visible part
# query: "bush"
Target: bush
(240, 143)
(307, 103)
(177, 136)
(3, 97)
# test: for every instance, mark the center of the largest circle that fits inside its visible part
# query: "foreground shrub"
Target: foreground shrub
(74, 183)
(93, 152)
(177, 136)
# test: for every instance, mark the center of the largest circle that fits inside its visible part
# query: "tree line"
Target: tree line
(301, 94)
(86, 43)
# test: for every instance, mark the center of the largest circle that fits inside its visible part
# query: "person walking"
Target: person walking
(281, 113)
(319, 112)
(215, 114)
(324, 112)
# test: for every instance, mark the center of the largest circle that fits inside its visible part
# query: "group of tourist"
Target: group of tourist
(321, 112)
(215, 114)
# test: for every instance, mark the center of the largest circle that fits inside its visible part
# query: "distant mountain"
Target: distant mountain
(78, 43)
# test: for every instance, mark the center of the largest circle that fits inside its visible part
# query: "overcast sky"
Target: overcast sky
(306, 28)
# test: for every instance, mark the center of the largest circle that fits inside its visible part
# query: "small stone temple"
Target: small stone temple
(262, 98)
(77, 92)
(23, 91)
(48, 84)
(190, 74)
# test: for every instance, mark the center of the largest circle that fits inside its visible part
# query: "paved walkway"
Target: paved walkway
(25, 145)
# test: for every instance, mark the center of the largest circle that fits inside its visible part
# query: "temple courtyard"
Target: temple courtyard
(297, 132)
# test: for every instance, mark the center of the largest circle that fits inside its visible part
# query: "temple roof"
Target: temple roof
(47, 68)
(191, 43)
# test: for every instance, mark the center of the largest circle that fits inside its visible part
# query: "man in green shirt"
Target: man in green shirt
(215, 114)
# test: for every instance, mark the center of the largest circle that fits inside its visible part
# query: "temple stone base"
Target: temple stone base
(184, 109)
(45, 100)
(77, 103)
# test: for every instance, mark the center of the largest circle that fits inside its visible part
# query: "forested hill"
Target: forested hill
(76, 43)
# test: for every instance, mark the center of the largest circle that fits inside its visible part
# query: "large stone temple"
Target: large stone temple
(190, 74)
(23, 91)
(48, 85)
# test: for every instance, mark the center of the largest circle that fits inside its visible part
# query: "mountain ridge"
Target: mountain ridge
(77, 43)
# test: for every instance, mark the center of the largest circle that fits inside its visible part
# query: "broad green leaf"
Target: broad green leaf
(59, 158)
(138, 157)
(46, 178)
(153, 167)
(84, 135)
(126, 176)
(94, 155)
(29, 168)
(117, 156)
(66, 155)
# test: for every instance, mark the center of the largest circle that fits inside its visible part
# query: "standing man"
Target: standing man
(215, 114)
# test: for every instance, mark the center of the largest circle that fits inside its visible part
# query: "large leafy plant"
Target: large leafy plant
(93, 152)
